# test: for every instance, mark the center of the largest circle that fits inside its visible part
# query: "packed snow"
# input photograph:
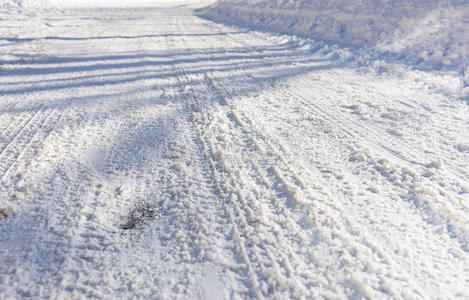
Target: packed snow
(147, 152)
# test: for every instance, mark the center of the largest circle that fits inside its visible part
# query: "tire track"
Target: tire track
(350, 236)
(285, 181)
(289, 186)
(372, 137)
(268, 269)
(97, 241)
(26, 143)
(403, 166)
(195, 104)
(342, 226)
(14, 125)
(14, 129)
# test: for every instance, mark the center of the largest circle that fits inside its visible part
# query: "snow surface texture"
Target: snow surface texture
(127, 3)
(431, 33)
(152, 154)
(34, 5)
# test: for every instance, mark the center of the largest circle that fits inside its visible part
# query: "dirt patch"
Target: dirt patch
(138, 215)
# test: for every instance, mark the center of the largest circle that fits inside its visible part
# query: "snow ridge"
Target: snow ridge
(428, 34)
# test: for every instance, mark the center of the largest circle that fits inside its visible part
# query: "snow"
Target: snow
(148, 153)
(127, 3)
(34, 5)
(422, 33)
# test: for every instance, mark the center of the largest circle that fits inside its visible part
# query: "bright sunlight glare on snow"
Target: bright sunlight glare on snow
(242, 149)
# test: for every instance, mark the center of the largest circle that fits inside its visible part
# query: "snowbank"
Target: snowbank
(125, 3)
(19, 5)
(429, 33)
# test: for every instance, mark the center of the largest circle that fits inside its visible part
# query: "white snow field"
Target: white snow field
(148, 153)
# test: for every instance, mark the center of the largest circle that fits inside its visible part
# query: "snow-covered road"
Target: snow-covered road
(152, 154)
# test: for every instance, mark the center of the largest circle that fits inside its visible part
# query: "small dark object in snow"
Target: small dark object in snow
(138, 215)
(7, 212)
